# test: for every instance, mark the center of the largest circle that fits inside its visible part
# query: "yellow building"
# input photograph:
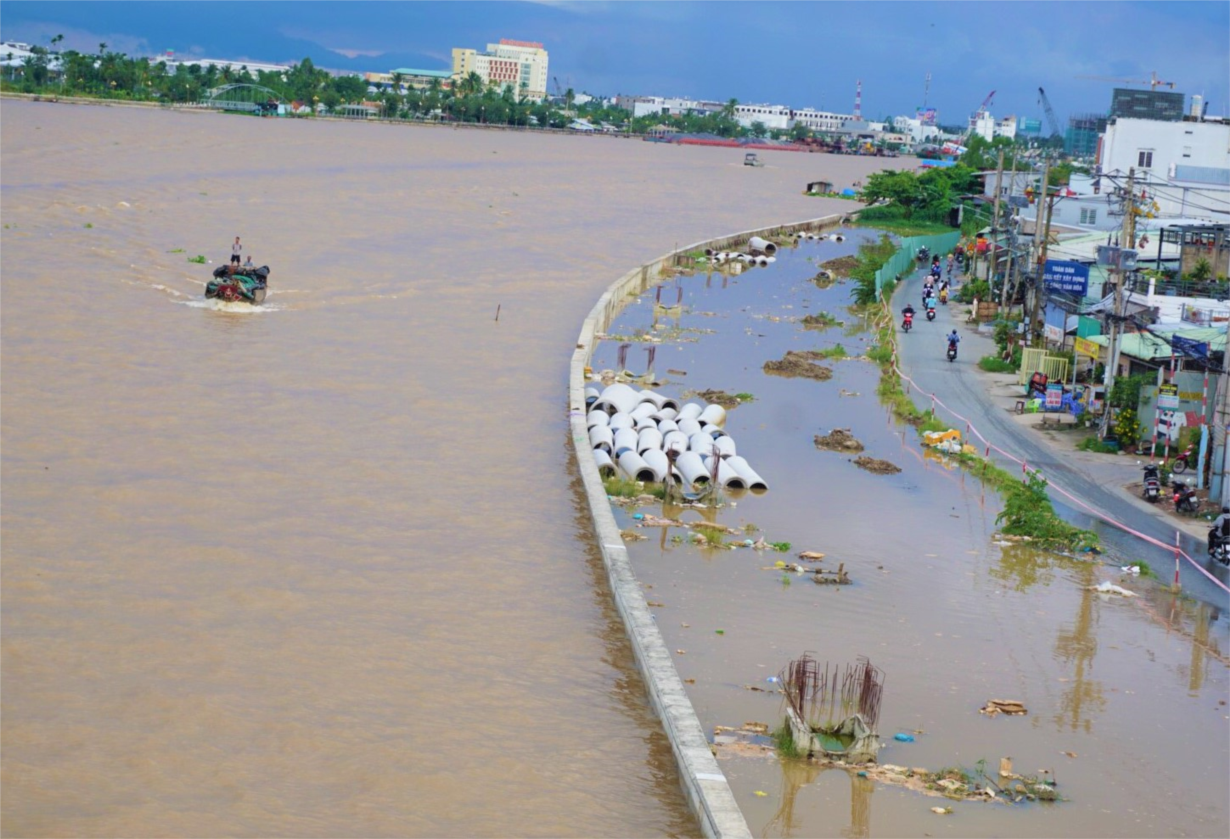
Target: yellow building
(519, 64)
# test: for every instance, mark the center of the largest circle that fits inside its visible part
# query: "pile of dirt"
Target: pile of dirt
(800, 363)
(839, 440)
(720, 397)
(877, 467)
(821, 321)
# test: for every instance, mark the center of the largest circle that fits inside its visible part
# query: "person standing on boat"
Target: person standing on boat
(249, 263)
(235, 250)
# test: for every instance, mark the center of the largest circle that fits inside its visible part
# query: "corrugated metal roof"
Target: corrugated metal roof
(437, 74)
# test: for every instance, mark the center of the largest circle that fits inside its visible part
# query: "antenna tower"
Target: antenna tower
(927, 90)
(858, 99)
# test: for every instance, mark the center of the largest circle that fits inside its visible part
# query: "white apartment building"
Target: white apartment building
(918, 131)
(773, 116)
(520, 64)
(822, 121)
(672, 106)
(1183, 166)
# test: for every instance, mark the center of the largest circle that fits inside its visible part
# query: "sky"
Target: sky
(799, 54)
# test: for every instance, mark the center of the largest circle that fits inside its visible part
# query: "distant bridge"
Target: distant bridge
(251, 98)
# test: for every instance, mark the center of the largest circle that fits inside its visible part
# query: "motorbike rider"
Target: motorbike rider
(1220, 531)
(953, 338)
(908, 311)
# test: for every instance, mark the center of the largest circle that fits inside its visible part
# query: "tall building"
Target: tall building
(1081, 138)
(519, 64)
(1165, 105)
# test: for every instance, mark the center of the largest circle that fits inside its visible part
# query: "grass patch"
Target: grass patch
(821, 320)
(780, 547)
(835, 351)
(618, 487)
(88, 225)
(198, 259)
(713, 535)
(903, 227)
(783, 741)
(995, 364)
(1145, 569)
(1093, 444)
(745, 397)
(177, 250)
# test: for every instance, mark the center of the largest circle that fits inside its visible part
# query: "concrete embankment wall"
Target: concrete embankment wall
(704, 785)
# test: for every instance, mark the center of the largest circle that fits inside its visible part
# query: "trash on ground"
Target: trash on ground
(814, 556)
(904, 738)
(943, 811)
(1010, 707)
(838, 440)
(1111, 588)
(831, 578)
(1130, 569)
(875, 466)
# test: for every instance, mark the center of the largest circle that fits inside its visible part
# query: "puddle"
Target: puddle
(1122, 693)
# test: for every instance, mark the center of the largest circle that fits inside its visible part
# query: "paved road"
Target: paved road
(965, 388)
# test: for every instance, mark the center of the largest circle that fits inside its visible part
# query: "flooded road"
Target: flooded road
(1126, 698)
(319, 570)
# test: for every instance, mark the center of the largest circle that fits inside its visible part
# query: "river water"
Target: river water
(1126, 698)
(321, 569)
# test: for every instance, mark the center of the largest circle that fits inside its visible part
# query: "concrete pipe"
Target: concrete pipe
(763, 245)
(597, 418)
(618, 397)
(700, 443)
(724, 447)
(645, 409)
(620, 420)
(689, 426)
(665, 415)
(645, 422)
(606, 467)
(771, 259)
(665, 425)
(754, 482)
(625, 438)
(712, 414)
(727, 477)
(656, 460)
(601, 437)
(675, 441)
(689, 411)
(650, 438)
(652, 396)
(710, 252)
(838, 238)
(761, 261)
(692, 468)
(712, 430)
(634, 466)
(591, 396)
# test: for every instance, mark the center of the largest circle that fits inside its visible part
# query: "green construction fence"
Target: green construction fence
(902, 262)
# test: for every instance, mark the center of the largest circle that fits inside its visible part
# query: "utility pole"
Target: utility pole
(1010, 275)
(1127, 236)
(1220, 485)
(999, 177)
(1040, 248)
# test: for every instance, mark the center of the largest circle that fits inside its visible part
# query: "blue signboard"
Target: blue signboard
(1189, 348)
(1068, 277)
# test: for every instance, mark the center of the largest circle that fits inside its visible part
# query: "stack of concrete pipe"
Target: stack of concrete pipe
(762, 258)
(820, 237)
(632, 431)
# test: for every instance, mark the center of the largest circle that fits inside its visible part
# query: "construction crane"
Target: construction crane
(1050, 113)
(1153, 82)
(559, 91)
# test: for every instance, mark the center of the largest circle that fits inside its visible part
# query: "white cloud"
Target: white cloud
(81, 40)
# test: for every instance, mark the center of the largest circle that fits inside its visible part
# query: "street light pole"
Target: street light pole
(1128, 235)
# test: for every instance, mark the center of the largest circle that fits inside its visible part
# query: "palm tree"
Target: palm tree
(397, 80)
(728, 110)
(569, 97)
(102, 48)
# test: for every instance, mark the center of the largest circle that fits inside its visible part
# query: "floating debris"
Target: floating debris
(1010, 707)
(876, 467)
(838, 440)
(717, 397)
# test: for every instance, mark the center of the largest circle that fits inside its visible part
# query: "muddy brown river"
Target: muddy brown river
(320, 570)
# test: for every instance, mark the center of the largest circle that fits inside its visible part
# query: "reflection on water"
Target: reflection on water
(797, 774)
(1082, 698)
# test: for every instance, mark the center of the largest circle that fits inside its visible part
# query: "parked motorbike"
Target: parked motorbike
(952, 351)
(1152, 490)
(1184, 459)
(1185, 500)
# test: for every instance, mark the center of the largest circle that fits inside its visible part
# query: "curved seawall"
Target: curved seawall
(705, 787)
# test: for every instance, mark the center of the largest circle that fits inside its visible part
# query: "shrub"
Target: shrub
(976, 288)
(995, 364)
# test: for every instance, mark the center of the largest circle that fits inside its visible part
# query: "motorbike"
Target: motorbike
(944, 296)
(907, 320)
(923, 255)
(1152, 489)
(1185, 500)
(1184, 459)
(930, 313)
(1219, 547)
(952, 351)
